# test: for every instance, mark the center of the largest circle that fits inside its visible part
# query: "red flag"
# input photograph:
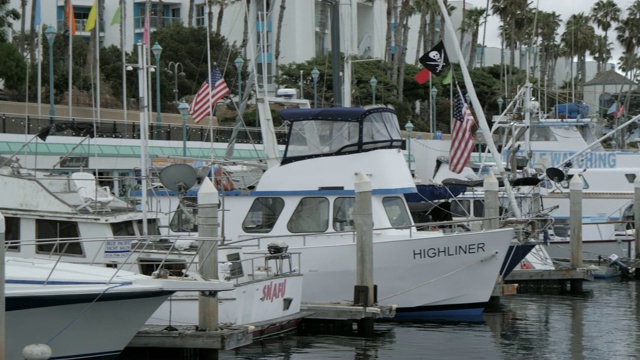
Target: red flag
(145, 35)
(620, 111)
(71, 19)
(423, 76)
(461, 137)
(208, 95)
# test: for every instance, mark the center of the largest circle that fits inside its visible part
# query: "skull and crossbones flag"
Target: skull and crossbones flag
(436, 59)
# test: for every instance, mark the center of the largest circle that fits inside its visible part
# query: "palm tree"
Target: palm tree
(23, 8)
(283, 7)
(472, 21)
(191, 9)
(604, 14)
(322, 28)
(160, 14)
(423, 9)
(515, 16)
(548, 25)
(579, 38)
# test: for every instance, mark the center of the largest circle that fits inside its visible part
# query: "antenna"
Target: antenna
(178, 177)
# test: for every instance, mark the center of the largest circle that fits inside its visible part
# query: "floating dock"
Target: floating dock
(228, 338)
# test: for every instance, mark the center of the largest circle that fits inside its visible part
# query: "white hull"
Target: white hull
(267, 300)
(80, 330)
(425, 276)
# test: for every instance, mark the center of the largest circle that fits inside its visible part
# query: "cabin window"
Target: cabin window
(123, 229)
(174, 266)
(311, 215)
(152, 227)
(185, 218)
(460, 208)
(396, 211)
(58, 237)
(263, 215)
(343, 208)
(12, 233)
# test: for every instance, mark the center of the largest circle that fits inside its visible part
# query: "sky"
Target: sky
(563, 7)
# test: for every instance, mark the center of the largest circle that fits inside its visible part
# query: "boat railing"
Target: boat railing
(165, 256)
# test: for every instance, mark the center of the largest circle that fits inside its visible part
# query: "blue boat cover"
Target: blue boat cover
(571, 111)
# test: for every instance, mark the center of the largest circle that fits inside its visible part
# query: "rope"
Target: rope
(493, 254)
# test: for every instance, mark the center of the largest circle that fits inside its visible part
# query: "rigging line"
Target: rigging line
(492, 255)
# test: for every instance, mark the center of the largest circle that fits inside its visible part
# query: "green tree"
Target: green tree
(6, 16)
(578, 39)
(13, 67)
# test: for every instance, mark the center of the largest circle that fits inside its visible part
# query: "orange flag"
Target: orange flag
(71, 19)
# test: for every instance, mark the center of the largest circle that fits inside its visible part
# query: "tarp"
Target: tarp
(571, 111)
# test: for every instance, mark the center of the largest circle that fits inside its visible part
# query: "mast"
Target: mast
(482, 121)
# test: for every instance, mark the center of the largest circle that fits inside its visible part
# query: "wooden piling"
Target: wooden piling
(575, 229)
(364, 248)
(208, 252)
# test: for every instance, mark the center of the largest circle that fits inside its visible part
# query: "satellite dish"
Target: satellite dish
(555, 174)
(178, 177)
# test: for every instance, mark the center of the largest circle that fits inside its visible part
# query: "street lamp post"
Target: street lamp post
(157, 50)
(176, 72)
(409, 127)
(183, 108)
(373, 83)
(314, 74)
(434, 92)
(50, 33)
(239, 62)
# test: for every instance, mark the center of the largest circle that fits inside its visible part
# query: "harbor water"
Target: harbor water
(602, 323)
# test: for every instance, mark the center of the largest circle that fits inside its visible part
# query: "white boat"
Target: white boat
(560, 148)
(56, 217)
(308, 197)
(82, 311)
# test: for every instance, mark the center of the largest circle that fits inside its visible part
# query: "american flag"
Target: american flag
(461, 137)
(208, 96)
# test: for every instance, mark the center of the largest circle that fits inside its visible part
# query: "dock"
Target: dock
(541, 280)
(232, 337)
(190, 337)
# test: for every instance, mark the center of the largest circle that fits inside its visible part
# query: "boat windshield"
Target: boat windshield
(317, 136)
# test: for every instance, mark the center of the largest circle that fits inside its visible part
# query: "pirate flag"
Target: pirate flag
(436, 59)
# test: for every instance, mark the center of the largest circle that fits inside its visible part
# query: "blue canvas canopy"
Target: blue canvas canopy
(571, 111)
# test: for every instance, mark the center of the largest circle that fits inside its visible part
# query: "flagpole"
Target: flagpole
(39, 55)
(70, 18)
(211, 85)
(98, 59)
(432, 105)
(124, 68)
(482, 121)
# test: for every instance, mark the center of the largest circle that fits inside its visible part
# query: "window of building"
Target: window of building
(263, 214)
(200, 15)
(58, 237)
(311, 215)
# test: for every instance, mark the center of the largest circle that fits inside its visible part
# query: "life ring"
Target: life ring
(525, 265)
(223, 180)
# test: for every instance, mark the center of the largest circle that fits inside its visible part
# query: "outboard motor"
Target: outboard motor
(615, 261)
